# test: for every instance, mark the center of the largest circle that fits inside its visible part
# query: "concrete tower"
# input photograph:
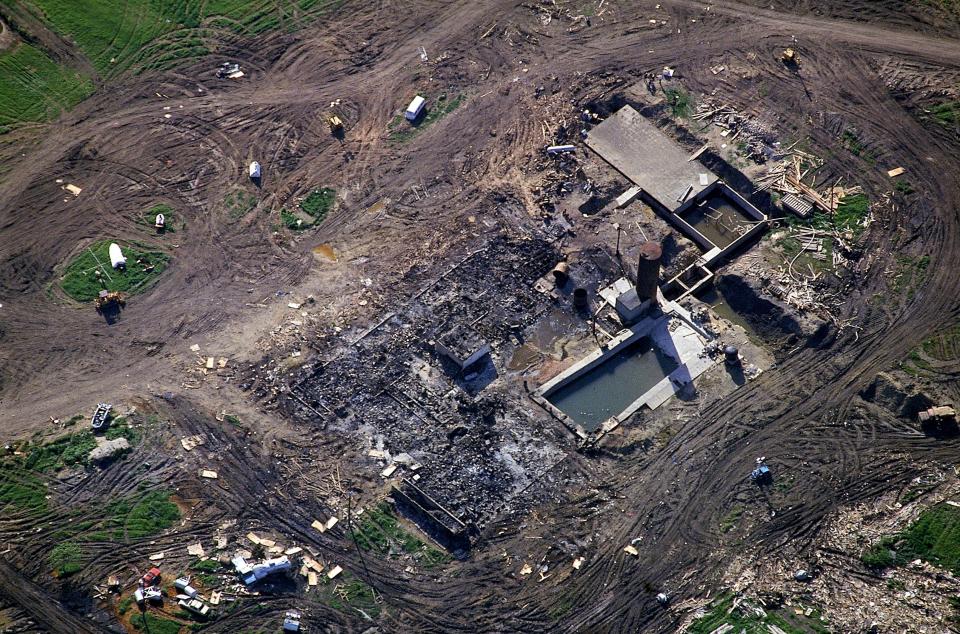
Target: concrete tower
(648, 271)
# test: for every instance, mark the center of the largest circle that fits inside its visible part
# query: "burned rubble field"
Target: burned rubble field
(333, 403)
(477, 447)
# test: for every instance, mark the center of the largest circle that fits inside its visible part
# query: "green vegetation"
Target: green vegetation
(239, 203)
(855, 146)
(379, 530)
(681, 104)
(947, 114)
(233, 420)
(154, 624)
(20, 491)
(850, 213)
(904, 187)
(730, 520)
(64, 451)
(318, 203)
(749, 621)
(943, 346)
(119, 428)
(65, 559)
(149, 34)
(80, 280)
(352, 593)
(934, 537)
(124, 605)
(169, 217)
(205, 565)
(911, 272)
(402, 130)
(34, 88)
(138, 517)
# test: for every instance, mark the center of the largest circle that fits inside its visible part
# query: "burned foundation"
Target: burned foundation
(478, 444)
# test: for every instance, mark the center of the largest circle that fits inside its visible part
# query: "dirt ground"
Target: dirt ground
(185, 138)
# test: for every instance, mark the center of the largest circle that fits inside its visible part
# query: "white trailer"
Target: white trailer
(117, 260)
(254, 170)
(415, 108)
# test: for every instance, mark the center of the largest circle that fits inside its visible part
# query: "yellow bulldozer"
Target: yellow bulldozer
(789, 58)
(109, 301)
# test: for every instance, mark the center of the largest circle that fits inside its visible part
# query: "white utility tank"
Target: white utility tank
(254, 170)
(116, 256)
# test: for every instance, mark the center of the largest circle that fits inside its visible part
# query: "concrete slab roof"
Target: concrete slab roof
(641, 152)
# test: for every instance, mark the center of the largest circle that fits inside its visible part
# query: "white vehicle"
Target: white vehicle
(415, 108)
(254, 170)
(196, 606)
(160, 221)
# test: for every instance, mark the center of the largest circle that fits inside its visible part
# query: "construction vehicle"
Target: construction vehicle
(108, 301)
(789, 58)
(335, 123)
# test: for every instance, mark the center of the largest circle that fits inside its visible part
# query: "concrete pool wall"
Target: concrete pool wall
(672, 332)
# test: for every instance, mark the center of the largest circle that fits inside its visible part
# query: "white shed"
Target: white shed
(415, 108)
(117, 260)
(254, 170)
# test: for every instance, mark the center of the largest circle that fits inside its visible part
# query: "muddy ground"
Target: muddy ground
(475, 176)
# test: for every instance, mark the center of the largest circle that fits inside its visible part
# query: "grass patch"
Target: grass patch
(943, 346)
(292, 221)
(157, 33)
(379, 530)
(911, 272)
(731, 519)
(946, 114)
(148, 622)
(138, 517)
(169, 216)
(851, 141)
(205, 565)
(239, 203)
(318, 203)
(35, 88)
(124, 605)
(65, 559)
(934, 537)
(402, 130)
(746, 620)
(81, 282)
(680, 102)
(120, 429)
(64, 451)
(851, 212)
(21, 491)
(904, 187)
(352, 594)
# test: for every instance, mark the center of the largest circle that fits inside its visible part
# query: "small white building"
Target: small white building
(254, 170)
(415, 108)
(117, 260)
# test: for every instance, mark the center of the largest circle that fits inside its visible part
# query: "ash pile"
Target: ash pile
(421, 387)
